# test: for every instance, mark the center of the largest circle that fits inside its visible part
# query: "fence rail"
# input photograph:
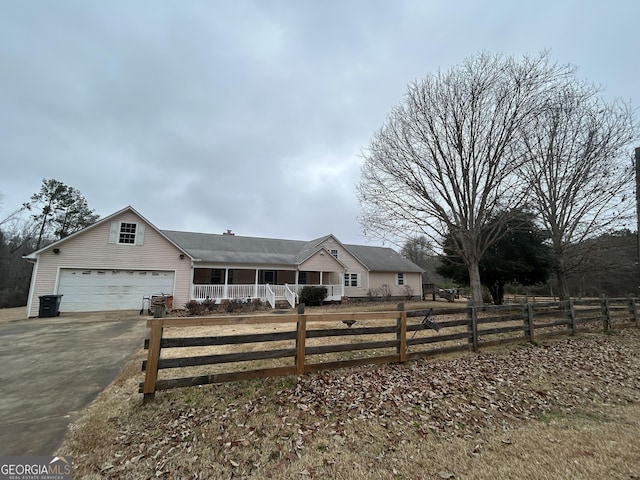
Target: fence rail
(302, 343)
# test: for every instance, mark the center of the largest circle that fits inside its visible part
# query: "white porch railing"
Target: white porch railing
(334, 292)
(212, 292)
(271, 295)
(218, 292)
(268, 293)
(290, 295)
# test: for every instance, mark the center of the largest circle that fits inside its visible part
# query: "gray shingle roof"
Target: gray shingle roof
(235, 249)
(383, 259)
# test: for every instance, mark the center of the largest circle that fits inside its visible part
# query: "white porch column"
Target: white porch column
(321, 277)
(297, 279)
(342, 282)
(255, 292)
(226, 283)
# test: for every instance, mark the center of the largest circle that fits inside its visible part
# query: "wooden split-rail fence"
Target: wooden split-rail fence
(207, 350)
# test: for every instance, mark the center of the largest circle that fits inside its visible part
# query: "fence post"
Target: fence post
(472, 325)
(529, 320)
(153, 355)
(401, 334)
(606, 310)
(301, 340)
(572, 317)
(634, 310)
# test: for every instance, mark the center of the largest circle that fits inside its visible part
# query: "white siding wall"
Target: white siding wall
(321, 262)
(414, 280)
(353, 266)
(91, 249)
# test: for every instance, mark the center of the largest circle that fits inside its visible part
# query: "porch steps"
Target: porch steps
(282, 304)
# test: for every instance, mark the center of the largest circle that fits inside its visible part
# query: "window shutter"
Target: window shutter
(113, 232)
(140, 234)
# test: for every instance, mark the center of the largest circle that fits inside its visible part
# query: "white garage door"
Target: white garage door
(95, 290)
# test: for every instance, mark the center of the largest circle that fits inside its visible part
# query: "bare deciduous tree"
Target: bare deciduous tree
(579, 172)
(445, 159)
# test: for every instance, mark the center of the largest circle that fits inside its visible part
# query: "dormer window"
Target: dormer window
(126, 233)
(334, 252)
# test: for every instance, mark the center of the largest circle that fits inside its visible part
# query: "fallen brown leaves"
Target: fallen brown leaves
(381, 418)
(479, 391)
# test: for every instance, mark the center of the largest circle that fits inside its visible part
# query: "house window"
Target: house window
(302, 278)
(399, 278)
(127, 233)
(217, 276)
(351, 279)
(334, 252)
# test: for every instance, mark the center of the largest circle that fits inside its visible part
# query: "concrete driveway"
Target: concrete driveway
(52, 368)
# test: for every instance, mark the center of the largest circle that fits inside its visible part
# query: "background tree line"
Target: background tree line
(497, 146)
(54, 212)
(522, 262)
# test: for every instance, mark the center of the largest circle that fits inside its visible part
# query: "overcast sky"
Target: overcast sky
(251, 115)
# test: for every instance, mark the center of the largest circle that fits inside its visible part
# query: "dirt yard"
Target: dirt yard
(13, 314)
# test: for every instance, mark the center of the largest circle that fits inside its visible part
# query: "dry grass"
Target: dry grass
(13, 314)
(221, 331)
(559, 410)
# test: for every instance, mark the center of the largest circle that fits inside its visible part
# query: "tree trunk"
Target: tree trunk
(474, 282)
(45, 219)
(563, 287)
(561, 273)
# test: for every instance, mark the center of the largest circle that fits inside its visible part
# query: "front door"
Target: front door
(268, 276)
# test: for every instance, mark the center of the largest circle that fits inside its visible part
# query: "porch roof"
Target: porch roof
(216, 248)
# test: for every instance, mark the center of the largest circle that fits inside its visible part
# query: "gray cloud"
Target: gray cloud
(249, 115)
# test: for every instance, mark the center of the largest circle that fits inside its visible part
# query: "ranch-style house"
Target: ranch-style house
(123, 259)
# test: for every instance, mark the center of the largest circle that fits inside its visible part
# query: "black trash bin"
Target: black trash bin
(49, 306)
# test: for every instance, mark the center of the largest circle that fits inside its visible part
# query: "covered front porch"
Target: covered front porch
(271, 286)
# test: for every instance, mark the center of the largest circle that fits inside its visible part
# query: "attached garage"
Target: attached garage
(86, 290)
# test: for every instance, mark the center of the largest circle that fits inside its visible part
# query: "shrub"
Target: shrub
(384, 291)
(408, 292)
(232, 305)
(312, 295)
(194, 308)
(208, 306)
(256, 303)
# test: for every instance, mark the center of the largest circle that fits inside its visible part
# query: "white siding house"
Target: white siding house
(120, 259)
(98, 269)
